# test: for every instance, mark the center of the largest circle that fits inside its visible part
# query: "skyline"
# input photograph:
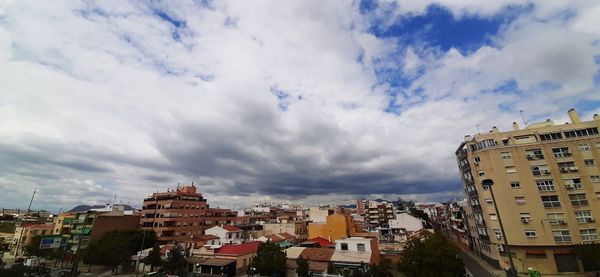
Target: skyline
(308, 102)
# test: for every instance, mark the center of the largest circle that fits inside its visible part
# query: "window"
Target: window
(561, 152)
(574, 183)
(589, 162)
(598, 195)
(360, 247)
(595, 178)
(584, 147)
(515, 185)
(489, 201)
(505, 155)
(498, 233)
(480, 173)
(538, 170)
(581, 133)
(556, 218)
(534, 154)
(578, 199)
(584, 216)
(511, 169)
(344, 246)
(530, 234)
(562, 235)
(493, 217)
(566, 167)
(588, 234)
(551, 201)
(477, 160)
(482, 231)
(545, 185)
(550, 136)
(520, 200)
(525, 217)
(598, 145)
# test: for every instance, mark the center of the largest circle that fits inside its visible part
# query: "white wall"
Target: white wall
(353, 243)
(406, 221)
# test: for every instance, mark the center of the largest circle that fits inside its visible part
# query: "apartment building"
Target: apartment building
(547, 190)
(376, 213)
(298, 229)
(90, 226)
(176, 215)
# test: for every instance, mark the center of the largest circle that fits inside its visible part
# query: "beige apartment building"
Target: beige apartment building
(547, 189)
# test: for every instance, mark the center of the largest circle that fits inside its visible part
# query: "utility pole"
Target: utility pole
(512, 272)
(19, 242)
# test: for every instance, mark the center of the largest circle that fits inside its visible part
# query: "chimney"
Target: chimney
(574, 116)
(596, 116)
(515, 126)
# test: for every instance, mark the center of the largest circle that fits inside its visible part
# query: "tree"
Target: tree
(153, 259)
(33, 248)
(303, 269)
(589, 253)
(383, 269)
(270, 260)
(175, 260)
(431, 256)
(91, 256)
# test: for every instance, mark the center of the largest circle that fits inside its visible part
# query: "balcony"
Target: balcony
(541, 172)
(484, 237)
(532, 157)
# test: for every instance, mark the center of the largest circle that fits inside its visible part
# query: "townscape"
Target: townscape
(532, 191)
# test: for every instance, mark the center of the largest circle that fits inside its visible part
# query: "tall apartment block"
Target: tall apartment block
(375, 213)
(179, 214)
(547, 189)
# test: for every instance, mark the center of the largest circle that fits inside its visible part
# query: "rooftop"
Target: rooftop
(238, 249)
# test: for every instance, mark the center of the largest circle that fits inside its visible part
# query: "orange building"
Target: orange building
(337, 226)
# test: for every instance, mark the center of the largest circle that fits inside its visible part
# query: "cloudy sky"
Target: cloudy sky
(303, 101)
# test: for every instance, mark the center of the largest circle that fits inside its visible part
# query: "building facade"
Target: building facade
(178, 214)
(378, 213)
(547, 190)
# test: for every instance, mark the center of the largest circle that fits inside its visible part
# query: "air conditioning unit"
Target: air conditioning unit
(498, 236)
(564, 170)
(569, 186)
(562, 222)
(525, 220)
(547, 172)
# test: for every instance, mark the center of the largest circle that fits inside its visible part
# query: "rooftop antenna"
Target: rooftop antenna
(522, 112)
(478, 129)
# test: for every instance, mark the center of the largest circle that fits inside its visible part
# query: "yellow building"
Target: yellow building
(547, 189)
(337, 226)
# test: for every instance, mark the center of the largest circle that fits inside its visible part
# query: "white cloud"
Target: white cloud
(98, 99)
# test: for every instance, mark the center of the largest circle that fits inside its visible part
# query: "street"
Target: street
(474, 267)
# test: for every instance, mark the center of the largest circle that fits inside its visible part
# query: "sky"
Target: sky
(309, 102)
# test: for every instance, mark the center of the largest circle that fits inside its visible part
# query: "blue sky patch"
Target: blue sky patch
(438, 27)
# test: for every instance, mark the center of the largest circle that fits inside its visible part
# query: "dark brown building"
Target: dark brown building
(181, 213)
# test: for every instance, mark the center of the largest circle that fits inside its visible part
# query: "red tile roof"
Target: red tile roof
(231, 228)
(238, 249)
(317, 254)
(286, 235)
(322, 242)
(274, 238)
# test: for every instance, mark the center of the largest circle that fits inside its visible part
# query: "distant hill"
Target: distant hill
(83, 208)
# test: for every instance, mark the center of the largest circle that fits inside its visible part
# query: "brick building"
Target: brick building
(175, 215)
